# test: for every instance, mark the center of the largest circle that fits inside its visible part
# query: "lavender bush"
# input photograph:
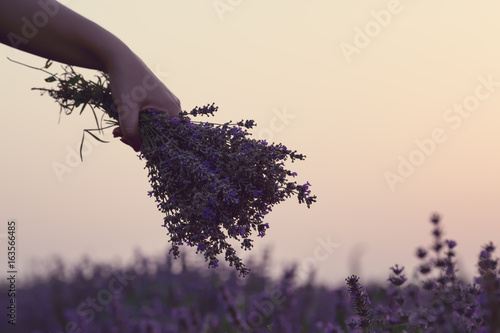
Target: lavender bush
(212, 181)
(153, 296)
(437, 300)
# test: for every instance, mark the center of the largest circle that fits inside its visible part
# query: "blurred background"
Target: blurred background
(395, 104)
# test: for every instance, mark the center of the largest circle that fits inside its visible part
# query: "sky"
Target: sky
(394, 103)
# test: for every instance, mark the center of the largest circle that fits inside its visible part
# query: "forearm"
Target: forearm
(49, 29)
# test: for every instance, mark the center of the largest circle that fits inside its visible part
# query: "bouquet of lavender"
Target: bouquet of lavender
(213, 181)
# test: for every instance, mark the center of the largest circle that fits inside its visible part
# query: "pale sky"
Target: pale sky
(362, 88)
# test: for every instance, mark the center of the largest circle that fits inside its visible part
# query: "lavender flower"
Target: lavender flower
(194, 300)
(397, 280)
(421, 253)
(212, 181)
(489, 292)
(361, 303)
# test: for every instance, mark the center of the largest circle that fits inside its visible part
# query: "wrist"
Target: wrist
(115, 55)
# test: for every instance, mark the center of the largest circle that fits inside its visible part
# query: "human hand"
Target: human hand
(135, 88)
(71, 38)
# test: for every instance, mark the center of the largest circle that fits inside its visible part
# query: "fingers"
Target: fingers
(128, 131)
(130, 99)
(117, 132)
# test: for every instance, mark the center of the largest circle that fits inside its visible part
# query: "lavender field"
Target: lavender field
(153, 296)
(202, 132)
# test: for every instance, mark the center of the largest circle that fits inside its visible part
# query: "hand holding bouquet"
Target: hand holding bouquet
(213, 181)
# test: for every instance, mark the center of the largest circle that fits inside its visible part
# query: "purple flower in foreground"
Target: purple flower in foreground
(397, 280)
(361, 302)
(424, 268)
(397, 270)
(421, 253)
(451, 243)
(435, 219)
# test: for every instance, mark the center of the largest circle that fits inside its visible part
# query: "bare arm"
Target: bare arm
(49, 29)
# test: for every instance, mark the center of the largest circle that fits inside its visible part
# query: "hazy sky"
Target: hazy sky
(395, 104)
